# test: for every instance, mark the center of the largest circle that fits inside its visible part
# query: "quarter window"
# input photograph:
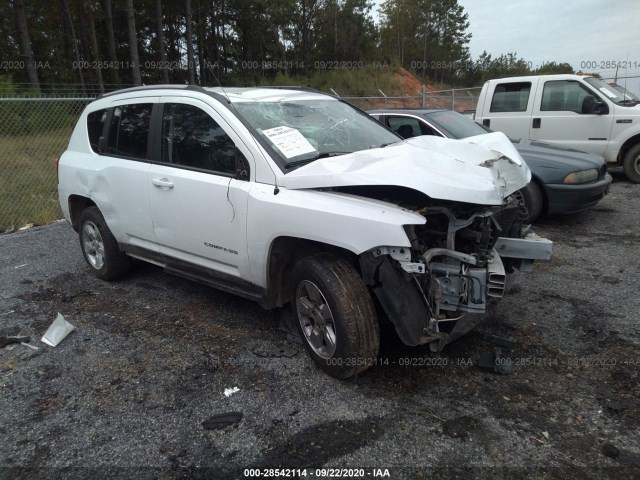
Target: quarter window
(511, 97)
(190, 137)
(95, 125)
(129, 130)
(563, 96)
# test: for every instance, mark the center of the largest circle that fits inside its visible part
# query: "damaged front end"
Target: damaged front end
(456, 268)
(454, 265)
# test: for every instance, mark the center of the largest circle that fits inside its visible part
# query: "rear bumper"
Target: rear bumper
(574, 198)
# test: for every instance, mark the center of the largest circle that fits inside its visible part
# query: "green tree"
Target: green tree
(346, 31)
(428, 36)
(553, 67)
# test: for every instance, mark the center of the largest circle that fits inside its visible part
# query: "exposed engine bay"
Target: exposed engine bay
(457, 264)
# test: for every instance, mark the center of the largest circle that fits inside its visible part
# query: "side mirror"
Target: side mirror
(601, 108)
(588, 104)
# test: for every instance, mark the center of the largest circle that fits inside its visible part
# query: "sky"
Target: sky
(572, 31)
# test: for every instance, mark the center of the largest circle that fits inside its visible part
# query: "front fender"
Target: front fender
(347, 221)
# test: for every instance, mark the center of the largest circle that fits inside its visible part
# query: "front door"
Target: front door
(198, 202)
(558, 118)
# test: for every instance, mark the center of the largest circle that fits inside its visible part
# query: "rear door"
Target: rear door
(510, 107)
(198, 199)
(558, 117)
(118, 182)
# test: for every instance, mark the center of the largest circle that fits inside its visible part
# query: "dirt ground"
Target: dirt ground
(133, 392)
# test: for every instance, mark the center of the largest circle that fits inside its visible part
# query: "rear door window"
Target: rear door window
(511, 97)
(129, 130)
(408, 127)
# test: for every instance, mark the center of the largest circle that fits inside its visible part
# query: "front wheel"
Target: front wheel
(335, 315)
(631, 164)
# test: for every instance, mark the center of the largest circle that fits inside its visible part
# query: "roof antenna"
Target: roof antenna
(276, 190)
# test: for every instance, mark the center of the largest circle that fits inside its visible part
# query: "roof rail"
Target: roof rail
(285, 87)
(151, 87)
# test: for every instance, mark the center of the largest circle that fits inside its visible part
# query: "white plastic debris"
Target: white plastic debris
(33, 347)
(230, 391)
(58, 331)
(545, 435)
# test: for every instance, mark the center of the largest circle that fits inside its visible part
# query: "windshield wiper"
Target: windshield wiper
(387, 144)
(299, 163)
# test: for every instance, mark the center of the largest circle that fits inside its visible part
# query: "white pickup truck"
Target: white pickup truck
(580, 112)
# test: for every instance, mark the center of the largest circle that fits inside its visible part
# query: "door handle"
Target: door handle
(162, 183)
(536, 123)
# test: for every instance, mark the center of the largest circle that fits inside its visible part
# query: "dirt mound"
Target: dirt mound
(409, 87)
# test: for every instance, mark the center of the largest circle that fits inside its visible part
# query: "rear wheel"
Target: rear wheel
(335, 315)
(100, 248)
(533, 200)
(631, 164)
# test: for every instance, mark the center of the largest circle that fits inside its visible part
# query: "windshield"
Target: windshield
(611, 92)
(301, 131)
(456, 125)
(626, 94)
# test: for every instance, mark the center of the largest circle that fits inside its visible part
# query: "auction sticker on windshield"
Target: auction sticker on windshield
(289, 141)
(608, 92)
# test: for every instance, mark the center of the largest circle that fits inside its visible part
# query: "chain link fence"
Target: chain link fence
(627, 85)
(457, 99)
(34, 132)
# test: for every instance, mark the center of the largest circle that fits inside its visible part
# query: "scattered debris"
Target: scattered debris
(20, 266)
(282, 350)
(495, 362)
(499, 341)
(624, 457)
(4, 341)
(545, 435)
(222, 420)
(7, 313)
(57, 332)
(230, 391)
(33, 347)
(610, 450)
(68, 298)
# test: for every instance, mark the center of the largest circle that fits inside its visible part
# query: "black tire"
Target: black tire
(631, 164)
(354, 324)
(115, 264)
(533, 200)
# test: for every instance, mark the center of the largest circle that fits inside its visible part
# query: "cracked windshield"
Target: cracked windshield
(302, 131)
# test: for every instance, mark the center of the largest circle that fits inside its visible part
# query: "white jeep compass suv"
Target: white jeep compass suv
(287, 195)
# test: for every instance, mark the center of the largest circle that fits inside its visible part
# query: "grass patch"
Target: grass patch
(28, 178)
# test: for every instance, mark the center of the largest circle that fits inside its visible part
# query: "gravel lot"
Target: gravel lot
(126, 394)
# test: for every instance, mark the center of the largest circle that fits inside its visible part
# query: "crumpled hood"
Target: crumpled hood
(483, 169)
